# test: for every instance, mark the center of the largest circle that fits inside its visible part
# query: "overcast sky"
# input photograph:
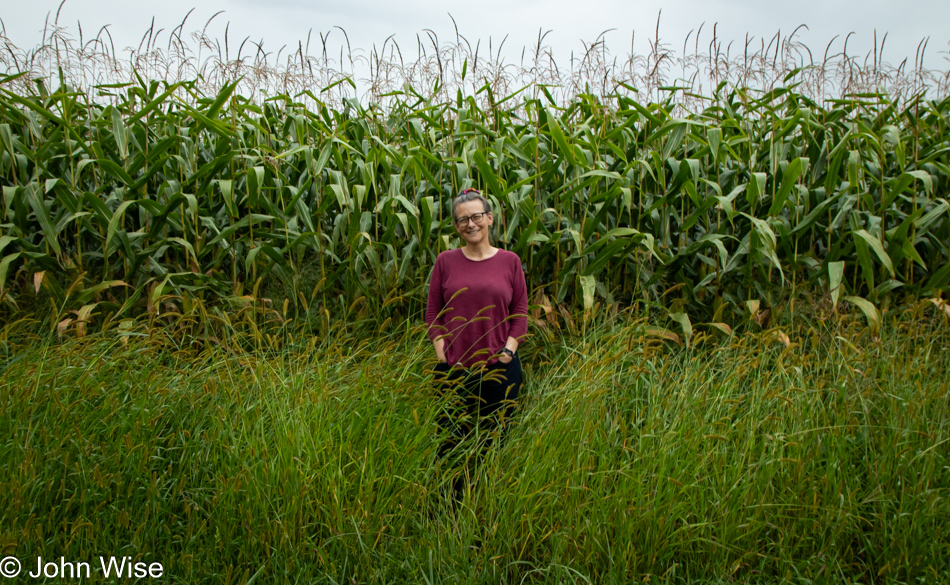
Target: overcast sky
(369, 22)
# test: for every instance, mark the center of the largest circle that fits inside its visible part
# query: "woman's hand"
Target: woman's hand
(440, 350)
(505, 358)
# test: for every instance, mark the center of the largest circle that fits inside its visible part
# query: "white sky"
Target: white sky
(369, 22)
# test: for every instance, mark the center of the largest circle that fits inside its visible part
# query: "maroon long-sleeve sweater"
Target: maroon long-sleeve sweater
(476, 305)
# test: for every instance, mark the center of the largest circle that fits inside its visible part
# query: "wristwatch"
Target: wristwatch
(507, 351)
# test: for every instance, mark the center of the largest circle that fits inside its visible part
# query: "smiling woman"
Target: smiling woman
(476, 314)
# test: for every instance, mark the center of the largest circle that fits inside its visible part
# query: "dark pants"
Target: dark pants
(478, 405)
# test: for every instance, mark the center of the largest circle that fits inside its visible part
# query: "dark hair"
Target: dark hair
(469, 195)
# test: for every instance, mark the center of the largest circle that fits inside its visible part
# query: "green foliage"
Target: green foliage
(817, 456)
(168, 193)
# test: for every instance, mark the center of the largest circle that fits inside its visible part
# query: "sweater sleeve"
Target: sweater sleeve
(519, 303)
(435, 302)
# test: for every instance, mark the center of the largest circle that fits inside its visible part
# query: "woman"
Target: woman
(477, 315)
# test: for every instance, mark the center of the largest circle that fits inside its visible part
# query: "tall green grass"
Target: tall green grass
(312, 459)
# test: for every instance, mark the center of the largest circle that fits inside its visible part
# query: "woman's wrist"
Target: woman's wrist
(506, 356)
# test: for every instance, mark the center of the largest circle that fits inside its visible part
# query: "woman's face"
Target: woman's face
(473, 232)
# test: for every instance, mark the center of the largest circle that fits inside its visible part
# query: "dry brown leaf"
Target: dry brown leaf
(568, 320)
(543, 303)
(664, 333)
(941, 304)
(783, 338)
(722, 327)
(753, 306)
(149, 306)
(62, 325)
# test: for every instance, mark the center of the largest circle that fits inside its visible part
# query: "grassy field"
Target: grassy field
(814, 454)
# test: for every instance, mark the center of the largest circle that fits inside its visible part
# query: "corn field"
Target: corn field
(153, 196)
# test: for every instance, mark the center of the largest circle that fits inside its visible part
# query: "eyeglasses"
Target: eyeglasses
(475, 217)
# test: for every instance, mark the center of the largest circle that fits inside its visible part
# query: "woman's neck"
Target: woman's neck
(481, 251)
